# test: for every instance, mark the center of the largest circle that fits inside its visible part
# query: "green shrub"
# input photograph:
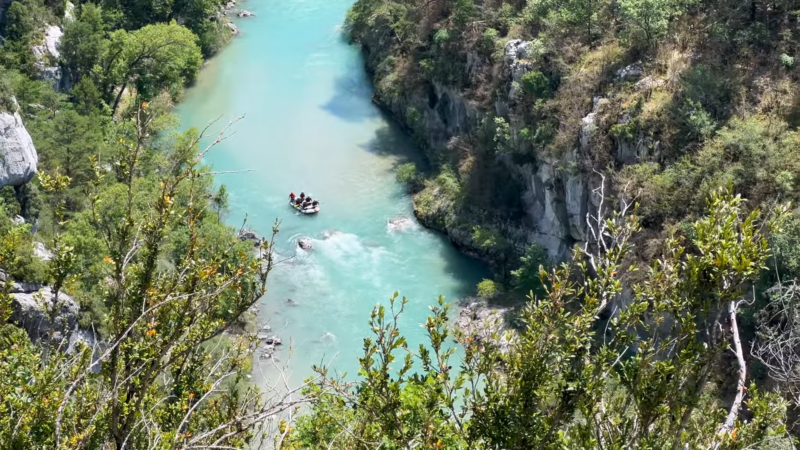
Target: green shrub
(526, 277)
(408, 175)
(536, 85)
(488, 288)
(447, 180)
(489, 41)
(787, 61)
(487, 240)
(701, 124)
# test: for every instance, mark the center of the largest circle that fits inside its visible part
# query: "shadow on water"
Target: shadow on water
(351, 97)
(390, 140)
(472, 269)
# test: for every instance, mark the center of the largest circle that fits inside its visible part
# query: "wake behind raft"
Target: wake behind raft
(303, 204)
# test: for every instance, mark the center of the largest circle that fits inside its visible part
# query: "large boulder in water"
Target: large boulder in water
(18, 158)
(304, 243)
(401, 223)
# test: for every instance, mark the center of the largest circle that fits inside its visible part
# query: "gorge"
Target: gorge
(309, 125)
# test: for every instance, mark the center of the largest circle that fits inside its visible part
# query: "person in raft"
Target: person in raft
(307, 202)
(291, 197)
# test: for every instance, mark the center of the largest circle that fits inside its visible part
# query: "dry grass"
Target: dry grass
(573, 99)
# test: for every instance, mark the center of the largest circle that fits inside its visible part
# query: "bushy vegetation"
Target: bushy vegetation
(124, 222)
(569, 379)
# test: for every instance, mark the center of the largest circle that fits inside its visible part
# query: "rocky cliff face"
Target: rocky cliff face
(18, 158)
(555, 201)
(47, 54)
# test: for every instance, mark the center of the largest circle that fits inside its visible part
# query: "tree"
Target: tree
(21, 20)
(171, 372)
(220, 200)
(84, 42)
(212, 34)
(70, 142)
(154, 58)
(647, 20)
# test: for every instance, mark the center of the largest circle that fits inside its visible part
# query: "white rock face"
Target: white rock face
(41, 252)
(47, 54)
(18, 158)
(52, 40)
(516, 57)
(69, 12)
(39, 313)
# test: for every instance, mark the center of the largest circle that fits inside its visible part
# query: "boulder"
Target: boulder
(244, 13)
(231, 26)
(631, 72)
(304, 243)
(40, 314)
(269, 340)
(18, 158)
(650, 83)
(484, 324)
(402, 223)
(18, 220)
(250, 235)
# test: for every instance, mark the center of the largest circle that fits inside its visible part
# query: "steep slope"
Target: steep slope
(523, 105)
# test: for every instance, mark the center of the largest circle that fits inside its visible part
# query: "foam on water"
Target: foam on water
(310, 125)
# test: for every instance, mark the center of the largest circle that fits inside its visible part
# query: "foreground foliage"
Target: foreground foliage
(593, 366)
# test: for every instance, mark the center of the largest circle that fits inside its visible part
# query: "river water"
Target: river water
(310, 126)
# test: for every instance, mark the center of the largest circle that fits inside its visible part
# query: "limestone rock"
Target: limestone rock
(269, 340)
(650, 83)
(480, 322)
(18, 158)
(234, 29)
(47, 54)
(244, 13)
(544, 198)
(401, 223)
(41, 252)
(69, 12)
(304, 243)
(515, 58)
(17, 220)
(631, 72)
(39, 313)
(250, 235)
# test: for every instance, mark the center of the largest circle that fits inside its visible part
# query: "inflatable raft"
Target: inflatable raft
(301, 210)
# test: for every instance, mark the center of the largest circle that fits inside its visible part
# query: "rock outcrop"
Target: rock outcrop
(401, 223)
(304, 243)
(18, 158)
(36, 310)
(485, 324)
(556, 191)
(47, 54)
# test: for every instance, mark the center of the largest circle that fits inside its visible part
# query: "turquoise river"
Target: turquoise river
(310, 126)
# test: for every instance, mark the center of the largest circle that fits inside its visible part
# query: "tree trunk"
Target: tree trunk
(119, 97)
